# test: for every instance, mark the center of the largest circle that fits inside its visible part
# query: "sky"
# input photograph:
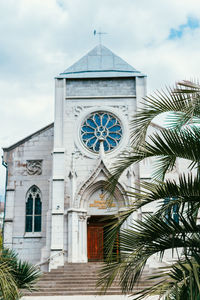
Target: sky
(41, 38)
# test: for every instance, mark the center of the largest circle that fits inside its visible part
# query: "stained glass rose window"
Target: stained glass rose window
(101, 126)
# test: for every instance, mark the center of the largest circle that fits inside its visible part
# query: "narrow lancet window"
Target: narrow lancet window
(33, 210)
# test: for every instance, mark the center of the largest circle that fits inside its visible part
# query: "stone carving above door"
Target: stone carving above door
(34, 167)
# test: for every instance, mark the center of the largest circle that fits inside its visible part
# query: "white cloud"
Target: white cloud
(39, 39)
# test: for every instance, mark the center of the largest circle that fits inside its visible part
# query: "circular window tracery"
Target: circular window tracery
(101, 126)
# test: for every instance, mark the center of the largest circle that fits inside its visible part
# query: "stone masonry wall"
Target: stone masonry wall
(39, 147)
(100, 87)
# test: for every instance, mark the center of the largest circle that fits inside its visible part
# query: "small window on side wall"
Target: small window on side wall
(33, 210)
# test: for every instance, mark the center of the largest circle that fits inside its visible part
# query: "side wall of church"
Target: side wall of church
(21, 176)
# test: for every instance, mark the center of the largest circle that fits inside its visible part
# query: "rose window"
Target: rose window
(101, 126)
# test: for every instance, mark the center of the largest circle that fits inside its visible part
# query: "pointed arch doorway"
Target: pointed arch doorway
(100, 211)
(100, 207)
(97, 204)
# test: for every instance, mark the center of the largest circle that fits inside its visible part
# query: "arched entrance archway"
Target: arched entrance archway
(94, 204)
(100, 207)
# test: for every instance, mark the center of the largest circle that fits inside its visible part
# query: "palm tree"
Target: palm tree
(15, 275)
(156, 233)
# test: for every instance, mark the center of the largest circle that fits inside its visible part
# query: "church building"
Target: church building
(55, 193)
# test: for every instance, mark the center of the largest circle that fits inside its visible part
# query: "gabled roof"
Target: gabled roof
(100, 62)
(7, 149)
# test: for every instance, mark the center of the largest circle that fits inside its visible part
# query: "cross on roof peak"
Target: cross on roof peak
(100, 33)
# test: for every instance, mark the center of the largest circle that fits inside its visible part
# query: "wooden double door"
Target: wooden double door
(96, 236)
(95, 240)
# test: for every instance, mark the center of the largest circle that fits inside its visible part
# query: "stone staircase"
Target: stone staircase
(74, 279)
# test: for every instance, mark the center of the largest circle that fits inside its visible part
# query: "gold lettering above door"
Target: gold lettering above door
(102, 204)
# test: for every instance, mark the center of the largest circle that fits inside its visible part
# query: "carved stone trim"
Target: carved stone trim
(77, 110)
(123, 108)
(82, 218)
(34, 167)
(101, 167)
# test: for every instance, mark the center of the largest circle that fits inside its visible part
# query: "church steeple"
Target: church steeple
(100, 62)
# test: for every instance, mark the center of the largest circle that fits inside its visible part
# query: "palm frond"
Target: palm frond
(144, 238)
(177, 281)
(184, 192)
(174, 100)
(8, 285)
(158, 232)
(187, 86)
(26, 275)
(165, 148)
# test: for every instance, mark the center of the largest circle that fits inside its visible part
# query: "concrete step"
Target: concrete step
(83, 282)
(76, 279)
(68, 293)
(91, 274)
(87, 278)
(78, 288)
(58, 293)
(79, 280)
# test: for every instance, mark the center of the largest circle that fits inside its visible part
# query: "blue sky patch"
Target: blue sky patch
(192, 23)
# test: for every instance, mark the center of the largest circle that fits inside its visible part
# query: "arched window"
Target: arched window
(33, 210)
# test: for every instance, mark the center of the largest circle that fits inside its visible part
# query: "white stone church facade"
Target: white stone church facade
(55, 177)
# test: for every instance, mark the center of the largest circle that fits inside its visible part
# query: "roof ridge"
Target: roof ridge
(6, 149)
(97, 61)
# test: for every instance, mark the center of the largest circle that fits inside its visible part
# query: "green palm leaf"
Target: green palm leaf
(177, 281)
(165, 147)
(157, 232)
(176, 101)
(184, 192)
(23, 275)
(143, 239)
(26, 275)
(8, 285)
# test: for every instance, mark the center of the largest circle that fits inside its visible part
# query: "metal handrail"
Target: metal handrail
(51, 257)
